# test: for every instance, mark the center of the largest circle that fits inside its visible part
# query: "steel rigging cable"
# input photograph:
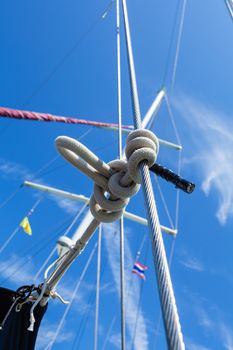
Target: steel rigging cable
(70, 52)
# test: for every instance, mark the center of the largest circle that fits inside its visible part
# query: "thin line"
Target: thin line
(12, 195)
(69, 53)
(178, 45)
(3, 247)
(170, 113)
(139, 302)
(77, 216)
(170, 45)
(72, 298)
(164, 203)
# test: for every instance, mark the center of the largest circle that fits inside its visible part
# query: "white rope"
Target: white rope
(45, 263)
(42, 292)
(119, 178)
(80, 212)
(142, 147)
(60, 325)
(178, 45)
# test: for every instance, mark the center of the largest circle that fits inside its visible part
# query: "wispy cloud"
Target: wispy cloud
(226, 334)
(69, 206)
(16, 269)
(13, 171)
(81, 304)
(192, 264)
(212, 321)
(131, 286)
(212, 144)
(47, 332)
(115, 339)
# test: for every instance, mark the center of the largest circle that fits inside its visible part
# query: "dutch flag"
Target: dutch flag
(139, 270)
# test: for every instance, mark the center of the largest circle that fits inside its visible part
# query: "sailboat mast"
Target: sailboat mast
(167, 299)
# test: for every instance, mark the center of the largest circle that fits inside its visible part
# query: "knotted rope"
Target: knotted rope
(117, 181)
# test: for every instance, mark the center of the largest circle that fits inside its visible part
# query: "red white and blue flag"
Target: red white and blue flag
(139, 270)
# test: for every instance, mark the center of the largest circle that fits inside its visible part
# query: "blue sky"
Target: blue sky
(40, 71)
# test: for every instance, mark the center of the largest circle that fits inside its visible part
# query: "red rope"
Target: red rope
(19, 114)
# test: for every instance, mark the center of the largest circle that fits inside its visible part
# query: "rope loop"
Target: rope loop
(141, 146)
(117, 181)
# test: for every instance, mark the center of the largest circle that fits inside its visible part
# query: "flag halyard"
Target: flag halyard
(25, 224)
(139, 270)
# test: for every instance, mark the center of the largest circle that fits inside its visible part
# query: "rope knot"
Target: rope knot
(141, 146)
(117, 181)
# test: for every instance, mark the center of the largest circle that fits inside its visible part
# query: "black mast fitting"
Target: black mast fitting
(170, 176)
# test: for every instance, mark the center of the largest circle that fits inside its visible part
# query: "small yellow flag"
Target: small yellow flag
(26, 226)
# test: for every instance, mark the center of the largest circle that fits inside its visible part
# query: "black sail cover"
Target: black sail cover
(14, 334)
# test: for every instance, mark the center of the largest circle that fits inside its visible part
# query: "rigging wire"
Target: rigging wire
(70, 52)
(11, 196)
(109, 332)
(44, 243)
(180, 32)
(79, 335)
(31, 211)
(171, 115)
(91, 300)
(60, 325)
(139, 300)
(165, 75)
(177, 208)
(170, 313)
(164, 202)
(45, 166)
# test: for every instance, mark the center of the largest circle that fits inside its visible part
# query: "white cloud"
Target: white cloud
(226, 334)
(80, 303)
(193, 264)
(212, 145)
(14, 171)
(115, 340)
(17, 270)
(212, 321)
(68, 205)
(47, 332)
(133, 289)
